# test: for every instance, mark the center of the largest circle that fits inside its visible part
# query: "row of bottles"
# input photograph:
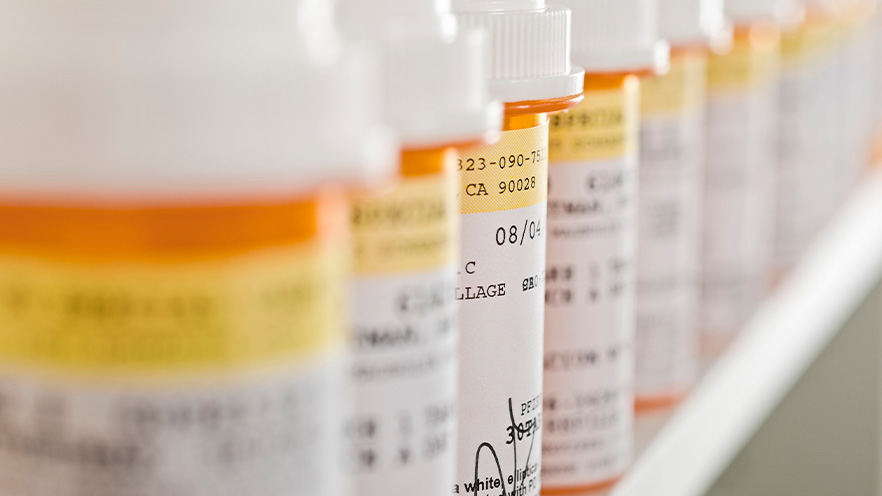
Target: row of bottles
(388, 247)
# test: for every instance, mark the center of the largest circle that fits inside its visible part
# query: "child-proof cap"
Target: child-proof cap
(617, 36)
(529, 48)
(784, 12)
(160, 98)
(434, 81)
(695, 22)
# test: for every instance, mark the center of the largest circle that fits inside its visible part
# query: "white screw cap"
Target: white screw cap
(617, 35)
(435, 88)
(124, 99)
(529, 47)
(695, 22)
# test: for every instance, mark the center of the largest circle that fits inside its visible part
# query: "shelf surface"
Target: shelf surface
(682, 453)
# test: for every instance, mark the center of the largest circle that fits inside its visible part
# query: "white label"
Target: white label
(269, 435)
(590, 306)
(737, 205)
(669, 241)
(501, 298)
(404, 372)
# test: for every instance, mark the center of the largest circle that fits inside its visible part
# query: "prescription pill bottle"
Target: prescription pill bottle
(403, 320)
(588, 419)
(402, 432)
(742, 110)
(857, 87)
(804, 194)
(877, 98)
(173, 248)
(672, 143)
(503, 203)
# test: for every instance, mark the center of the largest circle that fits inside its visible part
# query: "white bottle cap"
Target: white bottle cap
(529, 46)
(617, 35)
(695, 22)
(169, 98)
(785, 12)
(434, 80)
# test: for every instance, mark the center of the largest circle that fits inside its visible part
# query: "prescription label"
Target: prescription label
(500, 293)
(508, 175)
(129, 317)
(404, 326)
(806, 150)
(597, 129)
(589, 299)
(808, 43)
(739, 193)
(669, 229)
(682, 88)
(412, 226)
(209, 378)
(743, 68)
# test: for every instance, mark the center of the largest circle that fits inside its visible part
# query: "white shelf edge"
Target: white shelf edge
(775, 350)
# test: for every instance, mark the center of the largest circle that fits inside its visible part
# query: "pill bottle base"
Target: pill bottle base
(649, 404)
(586, 490)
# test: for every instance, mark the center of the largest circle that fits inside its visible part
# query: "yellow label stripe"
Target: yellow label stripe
(683, 88)
(604, 126)
(152, 318)
(409, 228)
(510, 174)
(742, 68)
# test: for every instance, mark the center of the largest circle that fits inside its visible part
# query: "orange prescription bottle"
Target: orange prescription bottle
(804, 193)
(672, 141)
(588, 419)
(857, 89)
(501, 294)
(402, 431)
(742, 109)
(172, 248)
(877, 97)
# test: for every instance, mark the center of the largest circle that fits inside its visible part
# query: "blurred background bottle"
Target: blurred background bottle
(404, 320)
(592, 241)
(857, 86)
(672, 142)
(172, 263)
(805, 192)
(742, 125)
